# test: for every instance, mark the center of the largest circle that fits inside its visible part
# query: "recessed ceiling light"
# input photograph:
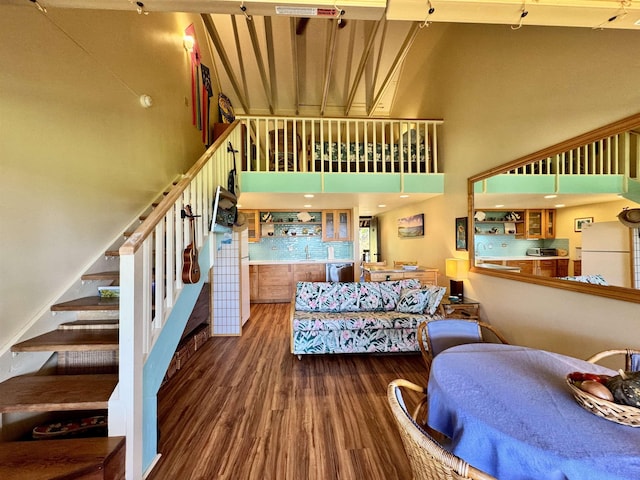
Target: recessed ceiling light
(500, 205)
(637, 22)
(550, 196)
(560, 205)
(308, 195)
(404, 196)
(307, 205)
(382, 205)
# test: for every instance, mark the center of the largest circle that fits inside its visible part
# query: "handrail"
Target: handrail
(151, 260)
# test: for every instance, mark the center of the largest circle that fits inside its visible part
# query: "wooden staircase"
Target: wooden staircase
(81, 384)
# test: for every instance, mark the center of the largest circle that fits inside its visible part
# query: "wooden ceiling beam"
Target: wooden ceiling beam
(243, 72)
(402, 54)
(361, 66)
(259, 60)
(331, 50)
(217, 43)
(294, 61)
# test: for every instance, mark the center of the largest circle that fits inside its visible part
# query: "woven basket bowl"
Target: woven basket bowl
(623, 414)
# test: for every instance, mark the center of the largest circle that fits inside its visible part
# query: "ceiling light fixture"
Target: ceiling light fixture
(382, 205)
(550, 196)
(622, 12)
(308, 195)
(560, 205)
(404, 196)
(243, 9)
(40, 7)
(523, 13)
(500, 205)
(430, 12)
(307, 205)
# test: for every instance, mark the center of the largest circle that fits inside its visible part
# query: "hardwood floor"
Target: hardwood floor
(246, 408)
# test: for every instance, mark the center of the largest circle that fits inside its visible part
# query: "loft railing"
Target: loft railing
(614, 155)
(340, 145)
(151, 263)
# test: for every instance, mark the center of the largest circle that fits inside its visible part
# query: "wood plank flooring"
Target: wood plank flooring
(246, 408)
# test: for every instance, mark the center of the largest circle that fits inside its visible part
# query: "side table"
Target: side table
(464, 309)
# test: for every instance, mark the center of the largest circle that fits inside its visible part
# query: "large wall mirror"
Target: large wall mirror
(552, 217)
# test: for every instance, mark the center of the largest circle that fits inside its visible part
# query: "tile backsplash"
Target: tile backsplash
(295, 248)
(508, 246)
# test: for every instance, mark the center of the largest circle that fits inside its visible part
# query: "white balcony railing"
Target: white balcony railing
(340, 145)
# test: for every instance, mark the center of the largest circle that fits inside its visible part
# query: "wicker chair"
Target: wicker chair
(631, 357)
(442, 334)
(428, 458)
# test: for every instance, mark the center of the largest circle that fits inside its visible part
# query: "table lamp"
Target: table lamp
(456, 269)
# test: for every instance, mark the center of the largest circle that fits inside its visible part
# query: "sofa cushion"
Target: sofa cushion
(326, 297)
(390, 291)
(369, 297)
(307, 321)
(435, 296)
(413, 300)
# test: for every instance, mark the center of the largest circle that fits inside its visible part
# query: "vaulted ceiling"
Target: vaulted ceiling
(342, 58)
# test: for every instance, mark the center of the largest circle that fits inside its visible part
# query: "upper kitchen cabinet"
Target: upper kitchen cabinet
(540, 223)
(253, 224)
(336, 225)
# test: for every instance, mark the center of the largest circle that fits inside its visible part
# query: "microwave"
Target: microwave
(542, 252)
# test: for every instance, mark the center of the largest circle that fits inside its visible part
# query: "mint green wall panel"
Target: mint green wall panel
(361, 182)
(281, 182)
(521, 184)
(634, 191)
(417, 183)
(591, 183)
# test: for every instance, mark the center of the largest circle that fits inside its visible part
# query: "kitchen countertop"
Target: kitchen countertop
(383, 269)
(521, 257)
(287, 262)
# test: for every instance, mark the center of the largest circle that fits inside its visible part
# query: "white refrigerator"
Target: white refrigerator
(606, 251)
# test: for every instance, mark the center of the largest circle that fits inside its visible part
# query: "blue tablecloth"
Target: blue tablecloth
(509, 412)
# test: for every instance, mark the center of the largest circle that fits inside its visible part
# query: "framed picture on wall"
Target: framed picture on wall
(413, 226)
(461, 233)
(579, 222)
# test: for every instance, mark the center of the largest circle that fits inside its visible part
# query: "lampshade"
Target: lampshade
(456, 268)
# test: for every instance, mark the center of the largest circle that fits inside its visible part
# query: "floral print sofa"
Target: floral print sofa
(365, 317)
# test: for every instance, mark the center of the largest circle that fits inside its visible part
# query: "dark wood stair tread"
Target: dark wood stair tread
(88, 303)
(112, 275)
(70, 341)
(49, 393)
(108, 323)
(78, 458)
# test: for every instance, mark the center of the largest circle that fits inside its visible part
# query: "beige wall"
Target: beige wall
(504, 94)
(79, 156)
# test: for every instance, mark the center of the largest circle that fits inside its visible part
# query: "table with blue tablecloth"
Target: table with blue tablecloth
(508, 411)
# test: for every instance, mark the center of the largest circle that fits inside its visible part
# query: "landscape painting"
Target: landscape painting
(412, 226)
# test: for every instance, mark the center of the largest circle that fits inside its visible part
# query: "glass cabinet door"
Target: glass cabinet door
(534, 224)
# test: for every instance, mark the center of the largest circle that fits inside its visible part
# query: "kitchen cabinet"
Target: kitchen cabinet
(540, 223)
(562, 267)
(525, 266)
(545, 268)
(253, 224)
(274, 283)
(308, 272)
(577, 267)
(253, 283)
(336, 225)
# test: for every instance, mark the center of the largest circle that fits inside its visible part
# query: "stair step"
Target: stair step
(88, 303)
(70, 341)
(90, 324)
(78, 458)
(50, 393)
(113, 276)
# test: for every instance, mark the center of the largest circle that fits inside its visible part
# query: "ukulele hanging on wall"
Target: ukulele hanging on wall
(190, 266)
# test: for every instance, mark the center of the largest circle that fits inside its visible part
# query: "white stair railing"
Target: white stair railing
(151, 262)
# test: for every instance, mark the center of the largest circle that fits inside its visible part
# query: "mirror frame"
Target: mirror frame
(613, 292)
